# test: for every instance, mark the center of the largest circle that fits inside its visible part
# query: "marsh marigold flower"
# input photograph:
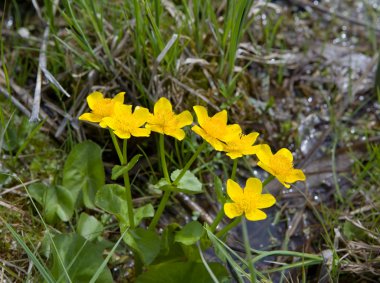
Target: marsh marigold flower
(125, 124)
(101, 107)
(214, 129)
(165, 121)
(249, 201)
(279, 165)
(241, 145)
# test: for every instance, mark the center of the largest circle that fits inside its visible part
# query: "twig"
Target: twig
(193, 206)
(37, 91)
(18, 104)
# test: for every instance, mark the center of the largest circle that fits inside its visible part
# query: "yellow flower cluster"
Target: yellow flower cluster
(124, 122)
(119, 117)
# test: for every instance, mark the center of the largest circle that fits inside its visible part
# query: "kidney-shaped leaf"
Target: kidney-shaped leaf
(112, 198)
(190, 233)
(55, 201)
(84, 171)
(89, 227)
(188, 183)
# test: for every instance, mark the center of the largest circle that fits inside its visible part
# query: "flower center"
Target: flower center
(280, 165)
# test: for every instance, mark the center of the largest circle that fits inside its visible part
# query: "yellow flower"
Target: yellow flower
(101, 107)
(214, 129)
(164, 121)
(279, 165)
(241, 145)
(125, 124)
(248, 201)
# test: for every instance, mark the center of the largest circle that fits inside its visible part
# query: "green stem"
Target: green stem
(123, 161)
(234, 167)
(117, 147)
(188, 164)
(163, 160)
(217, 220)
(160, 210)
(127, 185)
(228, 227)
(247, 247)
(268, 180)
(166, 195)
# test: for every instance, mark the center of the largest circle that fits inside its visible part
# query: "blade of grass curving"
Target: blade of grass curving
(212, 275)
(263, 254)
(292, 265)
(229, 254)
(104, 263)
(40, 266)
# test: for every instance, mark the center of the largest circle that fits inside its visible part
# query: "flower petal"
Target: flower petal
(140, 116)
(184, 119)
(179, 134)
(255, 215)
(140, 132)
(110, 122)
(295, 175)
(122, 110)
(162, 106)
(234, 155)
(93, 98)
(265, 200)
(201, 113)
(220, 117)
(155, 128)
(232, 210)
(215, 143)
(119, 97)
(234, 191)
(90, 117)
(231, 132)
(265, 167)
(285, 152)
(251, 138)
(122, 134)
(264, 153)
(253, 188)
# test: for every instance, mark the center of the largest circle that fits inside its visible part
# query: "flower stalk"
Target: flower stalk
(166, 195)
(123, 161)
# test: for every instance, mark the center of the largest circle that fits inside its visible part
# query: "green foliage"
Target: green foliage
(76, 260)
(43, 270)
(190, 233)
(89, 227)
(56, 201)
(112, 198)
(145, 243)
(119, 170)
(83, 172)
(16, 134)
(189, 183)
(185, 272)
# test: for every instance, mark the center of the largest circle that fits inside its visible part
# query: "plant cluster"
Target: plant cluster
(124, 122)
